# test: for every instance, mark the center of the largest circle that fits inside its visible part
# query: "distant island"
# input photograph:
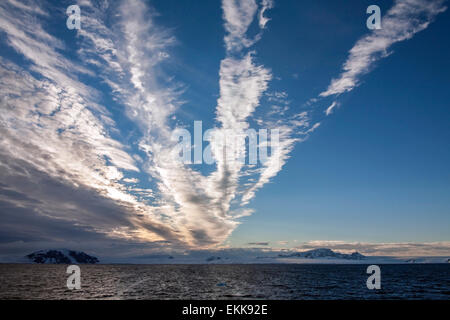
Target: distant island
(323, 253)
(61, 256)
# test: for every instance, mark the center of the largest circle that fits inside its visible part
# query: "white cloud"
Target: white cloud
(330, 108)
(401, 22)
(265, 5)
(238, 15)
(130, 180)
(53, 126)
(242, 84)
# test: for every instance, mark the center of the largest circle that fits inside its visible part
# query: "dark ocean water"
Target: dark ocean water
(25, 281)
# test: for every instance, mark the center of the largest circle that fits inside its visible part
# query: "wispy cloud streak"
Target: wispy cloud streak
(66, 161)
(401, 22)
(53, 125)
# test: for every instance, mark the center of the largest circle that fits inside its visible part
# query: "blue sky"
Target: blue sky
(88, 116)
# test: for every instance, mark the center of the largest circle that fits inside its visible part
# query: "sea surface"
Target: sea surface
(271, 281)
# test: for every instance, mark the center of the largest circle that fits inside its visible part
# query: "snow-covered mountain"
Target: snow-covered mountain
(223, 256)
(323, 253)
(61, 256)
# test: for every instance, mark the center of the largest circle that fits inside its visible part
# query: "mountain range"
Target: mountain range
(324, 253)
(223, 256)
(61, 256)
